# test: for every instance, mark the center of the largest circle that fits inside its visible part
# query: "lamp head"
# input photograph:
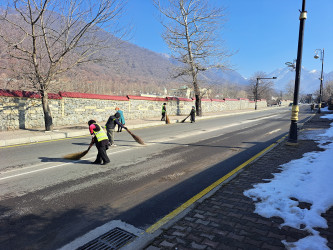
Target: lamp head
(316, 56)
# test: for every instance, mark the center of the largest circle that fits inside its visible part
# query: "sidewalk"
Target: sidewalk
(226, 219)
(23, 136)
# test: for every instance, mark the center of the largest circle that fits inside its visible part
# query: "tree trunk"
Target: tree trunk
(47, 112)
(197, 96)
(198, 105)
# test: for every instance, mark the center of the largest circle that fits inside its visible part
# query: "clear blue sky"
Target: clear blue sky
(264, 32)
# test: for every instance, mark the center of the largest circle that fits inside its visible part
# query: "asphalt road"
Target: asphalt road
(46, 201)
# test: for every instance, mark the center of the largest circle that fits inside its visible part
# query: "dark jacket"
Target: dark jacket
(192, 113)
(112, 121)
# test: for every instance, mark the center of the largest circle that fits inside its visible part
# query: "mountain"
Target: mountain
(215, 76)
(128, 68)
(329, 76)
(309, 83)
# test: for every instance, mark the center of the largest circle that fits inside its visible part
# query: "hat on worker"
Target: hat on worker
(91, 122)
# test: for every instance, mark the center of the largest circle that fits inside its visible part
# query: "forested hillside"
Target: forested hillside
(126, 69)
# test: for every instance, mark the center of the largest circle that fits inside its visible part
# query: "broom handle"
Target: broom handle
(91, 144)
(186, 118)
(129, 131)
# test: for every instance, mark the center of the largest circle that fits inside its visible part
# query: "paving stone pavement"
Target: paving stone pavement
(226, 220)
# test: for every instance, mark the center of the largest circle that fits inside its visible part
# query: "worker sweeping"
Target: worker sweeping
(110, 125)
(100, 139)
(121, 119)
(192, 114)
(163, 112)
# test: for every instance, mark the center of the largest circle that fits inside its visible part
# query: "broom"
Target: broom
(185, 119)
(79, 155)
(135, 137)
(167, 120)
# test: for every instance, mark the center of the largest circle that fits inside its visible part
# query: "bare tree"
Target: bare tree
(260, 89)
(228, 90)
(289, 92)
(328, 90)
(191, 32)
(46, 38)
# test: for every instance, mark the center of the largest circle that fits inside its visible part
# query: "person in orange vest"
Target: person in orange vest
(100, 139)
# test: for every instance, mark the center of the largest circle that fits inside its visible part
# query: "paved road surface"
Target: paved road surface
(47, 201)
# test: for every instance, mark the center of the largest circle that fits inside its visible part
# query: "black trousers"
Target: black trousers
(120, 128)
(102, 156)
(163, 117)
(192, 118)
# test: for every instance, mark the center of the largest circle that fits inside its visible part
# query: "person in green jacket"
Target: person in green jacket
(163, 112)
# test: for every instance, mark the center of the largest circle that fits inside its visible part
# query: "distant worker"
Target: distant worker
(163, 112)
(100, 139)
(192, 114)
(121, 119)
(312, 107)
(110, 125)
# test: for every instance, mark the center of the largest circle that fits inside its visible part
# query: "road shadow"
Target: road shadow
(48, 228)
(53, 159)
(64, 160)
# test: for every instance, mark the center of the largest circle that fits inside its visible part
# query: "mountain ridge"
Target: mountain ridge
(137, 70)
(309, 82)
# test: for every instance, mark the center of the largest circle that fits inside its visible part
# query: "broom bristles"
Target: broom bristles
(167, 120)
(136, 138)
(76, 156)
(185, 119)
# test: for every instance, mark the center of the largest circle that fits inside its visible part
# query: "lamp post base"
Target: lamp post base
(293, 132)
(293, 144)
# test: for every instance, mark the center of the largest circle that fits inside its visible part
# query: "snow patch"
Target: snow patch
(303, 180)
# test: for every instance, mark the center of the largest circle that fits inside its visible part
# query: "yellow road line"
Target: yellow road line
(188, 203)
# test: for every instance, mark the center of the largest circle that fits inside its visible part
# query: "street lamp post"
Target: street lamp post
(321, 76)
(291, 65)
(294, 113)
(256, 89)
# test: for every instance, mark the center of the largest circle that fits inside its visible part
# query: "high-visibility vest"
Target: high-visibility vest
(163, 109)
(100, 135)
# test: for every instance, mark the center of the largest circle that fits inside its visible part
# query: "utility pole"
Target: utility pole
(322, 52)
(295, 108)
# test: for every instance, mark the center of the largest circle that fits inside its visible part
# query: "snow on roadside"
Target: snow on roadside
(303, 180)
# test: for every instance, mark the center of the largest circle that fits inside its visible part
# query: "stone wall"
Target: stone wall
(23, 110)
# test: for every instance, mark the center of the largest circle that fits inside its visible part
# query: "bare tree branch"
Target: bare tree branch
(190, 32)
(48, 38)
